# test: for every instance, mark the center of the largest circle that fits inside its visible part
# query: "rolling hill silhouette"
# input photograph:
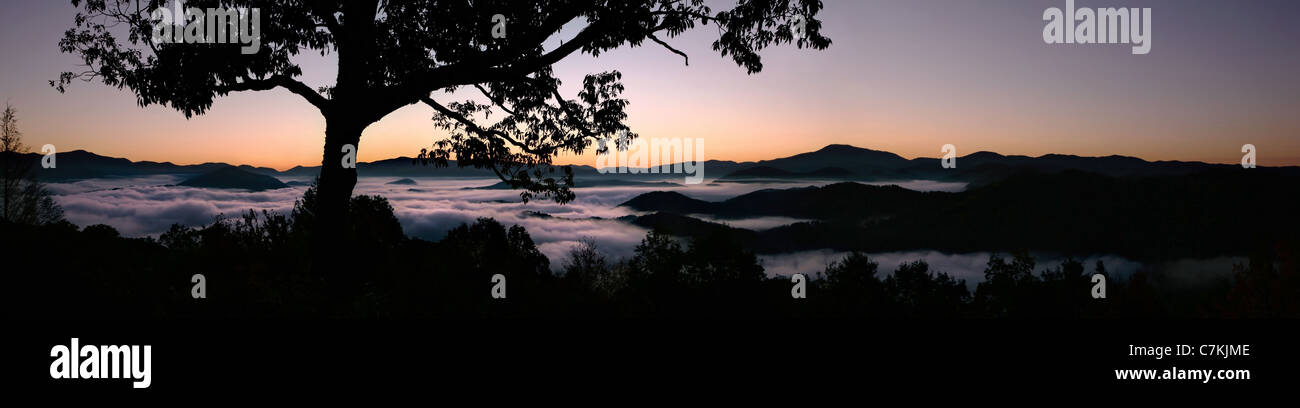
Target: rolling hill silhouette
(855, 159)
(81, 164)
(234, 178)
(836, 201)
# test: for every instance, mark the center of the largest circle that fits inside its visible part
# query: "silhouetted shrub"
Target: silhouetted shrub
(1009, 287)
(587, 269)
(101, 231)
(914, 291)
(850, 286)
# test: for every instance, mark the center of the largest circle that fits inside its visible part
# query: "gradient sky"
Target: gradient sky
(907, 76)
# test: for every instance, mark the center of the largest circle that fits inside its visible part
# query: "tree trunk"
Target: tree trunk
(334, 191)
(333, 257)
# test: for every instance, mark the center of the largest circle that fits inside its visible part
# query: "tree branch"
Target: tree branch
(483, 70)
(574, 120)
(326, 13)
(652, 37)
(283, 81)
(475, 128)
(496, 101)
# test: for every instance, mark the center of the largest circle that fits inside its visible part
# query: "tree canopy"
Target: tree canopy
(395, 53)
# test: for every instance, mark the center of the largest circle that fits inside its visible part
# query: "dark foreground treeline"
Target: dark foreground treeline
(263, 265)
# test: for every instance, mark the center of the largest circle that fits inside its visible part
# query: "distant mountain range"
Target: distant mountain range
(764, 172)
(81, 164)
(849, 163)
(834, 162)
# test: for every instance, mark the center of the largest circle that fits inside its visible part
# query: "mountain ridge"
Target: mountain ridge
(834, 162)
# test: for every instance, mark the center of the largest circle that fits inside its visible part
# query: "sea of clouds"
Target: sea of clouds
(148, 206)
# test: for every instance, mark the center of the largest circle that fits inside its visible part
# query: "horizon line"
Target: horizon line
(284, 169)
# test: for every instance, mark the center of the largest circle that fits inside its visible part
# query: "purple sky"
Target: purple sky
(906, 76)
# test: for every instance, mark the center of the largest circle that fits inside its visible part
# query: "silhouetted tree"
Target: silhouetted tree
(1065, 289)
(717, 260)
(396, 53)
(587, 269)
(1008, 287)
(914, 290)
(23, 198)
(370, 231)
(471, 254)
(101, 231)
(657, 259)
(371, 219)
(850, 286)
(489, 248)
